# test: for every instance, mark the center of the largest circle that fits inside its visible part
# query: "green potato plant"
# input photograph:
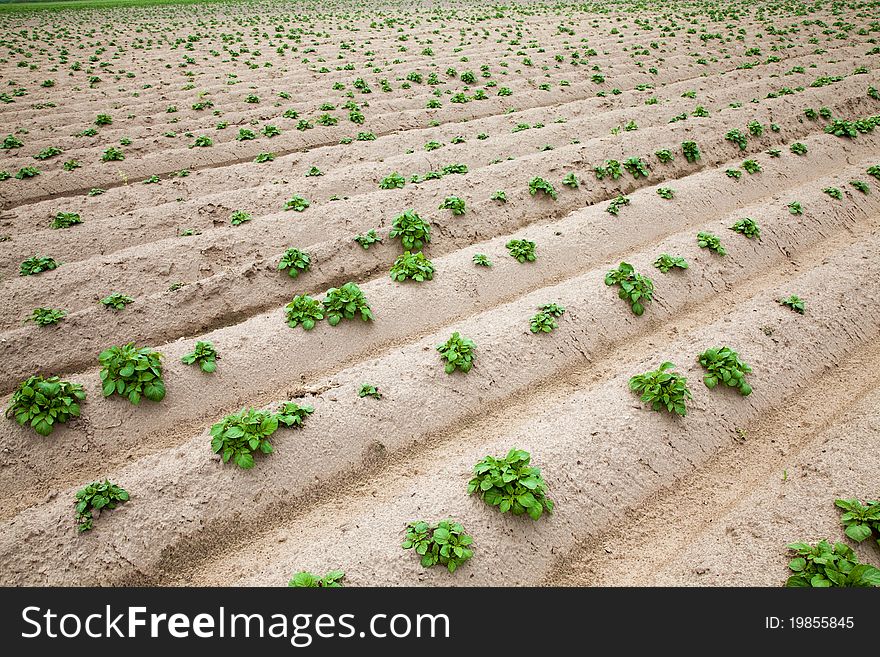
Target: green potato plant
(413, 266)
(634, 288)
(304, 579)
(723, 365)
(45, 402)
(368, 239)
(859, 520)
(453, 203)
(392, 181)
(294, 261)
(540, 185)
(304, 310)
(616, 203)
(95, 497)
(204, 354)
(511, 484)
(37, 265)
(458, 352)
(369, 390)
(46, 316)
(794, 302)
(297, 203)
(748, 227)
(238, 436)
(665, 262)
(345, 303)
(66, 220)
(238, 217)
(132, 372)
(445, 543)
(116, 301)
(521, 250)
(709, 241)
(824, 566)
(663, 389)
(413, 231)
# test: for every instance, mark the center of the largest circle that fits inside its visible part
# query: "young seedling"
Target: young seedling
(294, 261)
(45, 402)
(637, 167)
(540, 185)
(453, 203)
(511, 484)
(859, 520)
(500, 196)
(482, 260)
(711, 242)
(412, 265)
(798, 148)
(112, 154)
(296, 203)
(860, 185)
(795, 208)
(612, 169)
(368, 239)
(238, 436)
(204, 354)
(345, 303)
(616, 203)
(445, 543)
(823, 566)
(46, 316)
(691, 151)
(842, 128)
(834, 193)
(94, 497)
(666, 262)
(571, 180)
(304, 310)
(66, 220)
(292, 414)
(522, 250)
(755, 128)
(666, 192)
(545, 320)
(393, 181)
(116, 301)
(723, 365)
(458, 352)
(794, 302)
(413, 231)
(663, 389)
(37, 265)
(369, 390)
(553, 309)
(748, 227)
(634, 288)
(751, 166)
(665, 156)
(239, 217)
(736, 174)
(132, 372)
(47, 153)
(332, 580)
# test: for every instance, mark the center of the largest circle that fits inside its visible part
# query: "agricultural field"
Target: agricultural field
(440, 293)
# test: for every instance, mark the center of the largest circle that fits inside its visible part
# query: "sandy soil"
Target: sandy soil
(643, 498)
